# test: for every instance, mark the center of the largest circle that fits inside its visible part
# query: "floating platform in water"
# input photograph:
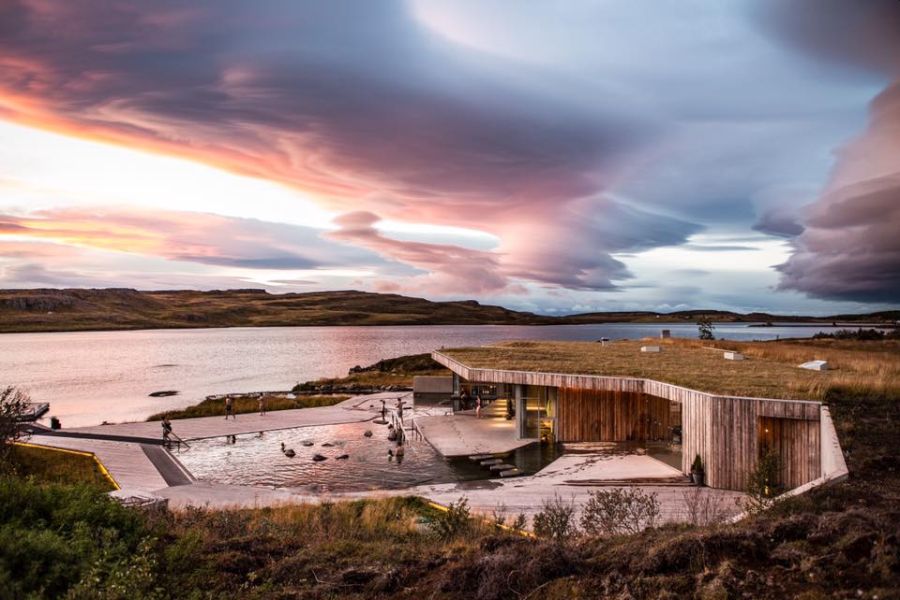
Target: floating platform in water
(33, 411)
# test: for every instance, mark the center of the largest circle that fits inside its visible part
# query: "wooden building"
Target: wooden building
(729, 433)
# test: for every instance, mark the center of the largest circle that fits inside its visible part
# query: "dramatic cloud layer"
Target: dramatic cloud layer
(522, 150)
(183, 236)
(849, 248)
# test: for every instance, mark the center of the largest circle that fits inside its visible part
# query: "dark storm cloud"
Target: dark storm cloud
(849, 248)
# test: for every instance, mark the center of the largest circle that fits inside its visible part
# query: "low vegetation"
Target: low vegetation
(389, 372)
(215, 407)
(46, 465)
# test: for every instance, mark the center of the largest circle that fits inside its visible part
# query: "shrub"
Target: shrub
(13, 402)
(619, 510)
(455, 521)
(556, 520)
(703, 508)
(762, 484)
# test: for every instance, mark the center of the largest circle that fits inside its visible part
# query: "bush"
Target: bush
(762, 484)
(617, 511)
(455, 521)
(55, 537)
(12, 404)
(556, 520)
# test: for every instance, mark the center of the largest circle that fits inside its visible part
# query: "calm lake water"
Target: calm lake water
(90, 377)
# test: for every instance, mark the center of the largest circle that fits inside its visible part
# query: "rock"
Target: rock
(307, 443)
(163, 393)
(343, 457)
(368, 433)
(319, 457)
(327, 445)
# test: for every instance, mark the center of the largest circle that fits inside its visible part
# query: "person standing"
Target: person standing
(262, 406)
(477, 406)
(229, 408)
(167, 430)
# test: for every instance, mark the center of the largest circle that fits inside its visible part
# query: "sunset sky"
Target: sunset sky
(554, 155)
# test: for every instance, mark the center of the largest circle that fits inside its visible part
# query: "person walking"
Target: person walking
(229, 408)
(167, 430)
(262, 406)
(478, 406)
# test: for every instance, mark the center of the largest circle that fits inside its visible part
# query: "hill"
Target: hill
(103, 309)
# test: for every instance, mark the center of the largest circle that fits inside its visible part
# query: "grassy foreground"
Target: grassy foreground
(244, 405)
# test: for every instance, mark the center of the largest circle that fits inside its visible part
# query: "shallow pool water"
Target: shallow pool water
(257, 459)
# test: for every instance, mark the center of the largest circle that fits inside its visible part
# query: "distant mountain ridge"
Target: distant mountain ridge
(118, 308)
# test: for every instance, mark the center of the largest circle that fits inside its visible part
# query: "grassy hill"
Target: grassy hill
(92, 309)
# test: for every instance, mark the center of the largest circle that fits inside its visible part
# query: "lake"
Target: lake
(90, 377)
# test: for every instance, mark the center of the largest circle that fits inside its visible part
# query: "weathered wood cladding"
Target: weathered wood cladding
(602, 416)
(797, 444)
(723, 430)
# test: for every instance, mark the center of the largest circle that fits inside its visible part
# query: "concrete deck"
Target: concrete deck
(463, 434)
(608, 467)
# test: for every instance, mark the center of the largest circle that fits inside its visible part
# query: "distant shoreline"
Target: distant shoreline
(69, 310)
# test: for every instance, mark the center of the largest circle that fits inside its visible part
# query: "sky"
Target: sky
(557, 156)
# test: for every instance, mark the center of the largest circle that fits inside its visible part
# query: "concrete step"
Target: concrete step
(514, 472)
(502, 467)
(481, 457)
(491, 461)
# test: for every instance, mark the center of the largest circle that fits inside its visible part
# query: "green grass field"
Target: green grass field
(47, 465)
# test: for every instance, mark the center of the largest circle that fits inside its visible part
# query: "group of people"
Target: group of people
(262, 403)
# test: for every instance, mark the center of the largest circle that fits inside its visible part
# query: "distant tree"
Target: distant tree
(705, 329)
(13, 403)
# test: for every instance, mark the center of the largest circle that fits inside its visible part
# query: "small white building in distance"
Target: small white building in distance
(650, 349)
(815, 365)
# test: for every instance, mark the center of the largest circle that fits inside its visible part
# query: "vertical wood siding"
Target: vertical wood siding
(601, 416)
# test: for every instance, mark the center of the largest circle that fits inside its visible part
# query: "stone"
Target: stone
(815, 365)
(319, 457)
(733, 356)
